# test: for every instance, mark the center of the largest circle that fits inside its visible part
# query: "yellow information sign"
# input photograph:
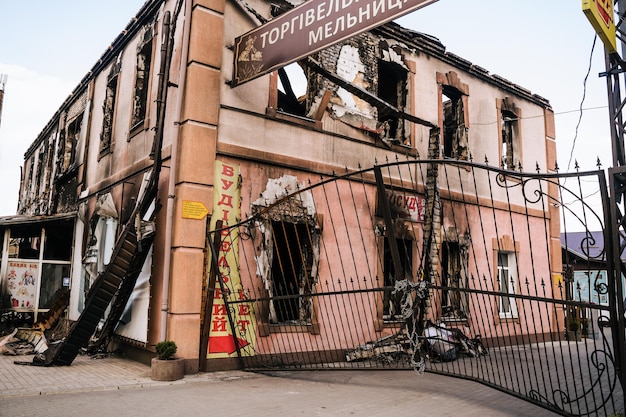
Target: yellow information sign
(194, 210)
(600, 15)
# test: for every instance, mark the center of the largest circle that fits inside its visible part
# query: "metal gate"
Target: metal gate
(441, 266)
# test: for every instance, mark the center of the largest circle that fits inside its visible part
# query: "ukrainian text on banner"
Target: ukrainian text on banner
(226, 207)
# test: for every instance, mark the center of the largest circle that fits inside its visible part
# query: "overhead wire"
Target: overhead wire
(580, 115)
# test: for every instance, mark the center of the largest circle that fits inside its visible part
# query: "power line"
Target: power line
(580, 116)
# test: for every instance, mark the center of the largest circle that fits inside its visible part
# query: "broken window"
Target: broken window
(291, 90)
(108, 108)
(392, 307)
(39, 264)
(507, 284)
(454, 118)
(142, 77)
(454, 130)
(392, 89)
(291, 273)
(453, 271)
(287, 256)
(70, 142)
(510, 151)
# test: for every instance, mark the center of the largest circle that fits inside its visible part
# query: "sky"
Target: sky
(46, 48)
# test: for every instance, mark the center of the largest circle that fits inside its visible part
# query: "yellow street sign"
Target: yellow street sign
(194, 210)
(600, 15)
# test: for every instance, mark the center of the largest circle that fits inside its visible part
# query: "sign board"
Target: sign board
(226, 207)
(600, 15)
(406, 206)
(194, 210)
(309, 28)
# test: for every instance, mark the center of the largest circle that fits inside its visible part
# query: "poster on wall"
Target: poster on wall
(591, 287)
(226, 207)
(22, 284)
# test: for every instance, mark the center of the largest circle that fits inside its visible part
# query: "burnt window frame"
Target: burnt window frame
(143, 80)
(267, 326)
(454, 134)
(509, 117)
(454, 275)
(396, 78)
(109, 109)
(405, 238)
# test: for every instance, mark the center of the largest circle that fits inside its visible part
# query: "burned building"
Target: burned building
(154, 147)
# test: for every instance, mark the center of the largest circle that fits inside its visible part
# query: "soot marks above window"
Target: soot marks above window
(142, 77)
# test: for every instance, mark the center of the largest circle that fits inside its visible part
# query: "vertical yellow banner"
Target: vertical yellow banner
(226, 207)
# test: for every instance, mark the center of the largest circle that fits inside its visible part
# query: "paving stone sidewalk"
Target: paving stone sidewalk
(115, 386)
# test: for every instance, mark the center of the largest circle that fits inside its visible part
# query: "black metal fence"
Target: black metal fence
(448, 267)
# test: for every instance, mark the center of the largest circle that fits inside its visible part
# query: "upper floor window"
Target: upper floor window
(510, 138)
(142, 78)
(291, 90)
(108, 108)
(454, 120)
(392, 89)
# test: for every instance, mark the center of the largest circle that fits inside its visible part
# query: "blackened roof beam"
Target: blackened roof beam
(364, 94)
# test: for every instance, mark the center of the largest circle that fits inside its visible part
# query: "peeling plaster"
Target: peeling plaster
(283, 186)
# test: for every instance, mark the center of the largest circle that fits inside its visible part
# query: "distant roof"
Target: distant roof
(588, 246)
(26, 219)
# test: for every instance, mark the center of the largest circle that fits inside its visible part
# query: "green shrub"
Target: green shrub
(165, 349)
(574, 325)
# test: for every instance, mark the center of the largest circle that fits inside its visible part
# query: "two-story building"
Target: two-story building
(155, 145)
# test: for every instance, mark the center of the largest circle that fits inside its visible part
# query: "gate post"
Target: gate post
(614, 219)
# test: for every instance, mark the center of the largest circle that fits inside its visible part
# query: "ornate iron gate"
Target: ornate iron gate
(450, 267)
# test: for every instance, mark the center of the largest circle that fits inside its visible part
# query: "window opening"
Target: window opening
(292, 89)
(292, 266)
(140, 97)
(454, 126)
(392, 303)
(507, 282)
(38, 273)
(71, 141)
(454, 299)
(109, 109)
(392, 87)
(510, 142)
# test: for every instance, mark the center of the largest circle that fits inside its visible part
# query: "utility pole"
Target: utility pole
(615, 219)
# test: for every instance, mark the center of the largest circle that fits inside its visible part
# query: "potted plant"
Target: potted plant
(166, 367)
(573, 330)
